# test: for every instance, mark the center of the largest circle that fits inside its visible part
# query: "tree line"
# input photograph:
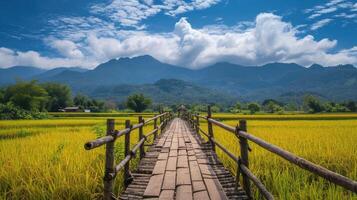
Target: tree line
(31, 99)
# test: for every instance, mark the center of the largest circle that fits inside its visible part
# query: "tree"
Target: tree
(352, 106)
(273, 107)
(253, 107)
(138, 102)
(313, 104)
(59, 96)
(27, 95)
(81, 101)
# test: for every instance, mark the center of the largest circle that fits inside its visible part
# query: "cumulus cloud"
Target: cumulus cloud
(66, 48)
(267, 39)
(9, 58)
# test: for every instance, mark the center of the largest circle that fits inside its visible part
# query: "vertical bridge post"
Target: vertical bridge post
(141, 136)
(210, 129)
(244, 148)
(127, 176)
(155, 127)
(197, 123)
(109, 162)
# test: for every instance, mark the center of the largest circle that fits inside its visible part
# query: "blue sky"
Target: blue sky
(191, 33)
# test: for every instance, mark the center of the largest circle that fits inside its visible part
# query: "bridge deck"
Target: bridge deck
(180, 165)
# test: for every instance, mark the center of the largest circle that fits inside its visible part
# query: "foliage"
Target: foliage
(138, 102)
(351, 105)
(253, 107)
(84, 102)
(273, 107)
(9, 111)
(59, 96)
(27, 95)
(313, 104)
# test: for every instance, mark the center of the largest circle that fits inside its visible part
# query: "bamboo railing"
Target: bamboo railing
(111, 170)
(243, 160)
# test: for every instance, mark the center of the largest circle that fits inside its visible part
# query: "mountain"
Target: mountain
(119, 77)
(165, 91)
(10, 75)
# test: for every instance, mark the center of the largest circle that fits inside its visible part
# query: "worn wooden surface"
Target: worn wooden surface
(179, 165)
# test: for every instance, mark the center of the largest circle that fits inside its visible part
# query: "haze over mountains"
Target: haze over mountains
(222, 82)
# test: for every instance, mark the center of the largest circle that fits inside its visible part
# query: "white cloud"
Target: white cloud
(130, 13)
(333, 6)
(267, 39)
(320, 24)
(66, 48)
(9, 58)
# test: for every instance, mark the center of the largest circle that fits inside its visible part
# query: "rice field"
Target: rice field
(45, 159)
(329, 143)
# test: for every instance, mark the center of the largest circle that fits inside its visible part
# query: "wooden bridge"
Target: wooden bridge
(179, 164)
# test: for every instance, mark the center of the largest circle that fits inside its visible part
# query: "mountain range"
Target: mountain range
(221, 82)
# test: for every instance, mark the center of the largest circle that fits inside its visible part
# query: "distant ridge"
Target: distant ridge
(249, 83)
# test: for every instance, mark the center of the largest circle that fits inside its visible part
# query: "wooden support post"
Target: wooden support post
(244, 148)
(141, 136)
(197, 124)
(109, 163)
(127, 175)
(210, 129)
(155, 127)
(161, 128)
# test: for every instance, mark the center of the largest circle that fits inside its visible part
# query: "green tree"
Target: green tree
(273, 107)
(27, 95)
(138, 102)
(253, 107)
(313, 104)
(59, 96)
(81, 101)
(352, 106)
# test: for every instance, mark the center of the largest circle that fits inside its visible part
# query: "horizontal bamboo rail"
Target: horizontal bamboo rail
(242, 161)
(111, 170)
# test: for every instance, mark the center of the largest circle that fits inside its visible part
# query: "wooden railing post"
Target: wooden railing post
(161, 128)
(210, 129)
(109, 163)
(127, 175)
(244, 148)
(197, 123)
(141, 136)
(155, 127)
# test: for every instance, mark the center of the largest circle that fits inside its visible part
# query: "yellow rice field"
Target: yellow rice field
(45, 159)
(330, 143)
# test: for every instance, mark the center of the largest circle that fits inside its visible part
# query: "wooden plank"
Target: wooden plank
(169, 180)
(202, 195)
(214, 189)
(171, 163)
(183, 176)
(184, 192)
(167, 195)
(160, 167)
(182, 161)
(154, 186)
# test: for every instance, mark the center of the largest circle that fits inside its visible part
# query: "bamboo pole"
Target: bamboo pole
(109, 162)
(127, 176)
(155, 127)
(244, 156)
(141, 136)
(210, 129)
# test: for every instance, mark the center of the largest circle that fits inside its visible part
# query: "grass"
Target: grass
(45, 159)
(329, 143)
